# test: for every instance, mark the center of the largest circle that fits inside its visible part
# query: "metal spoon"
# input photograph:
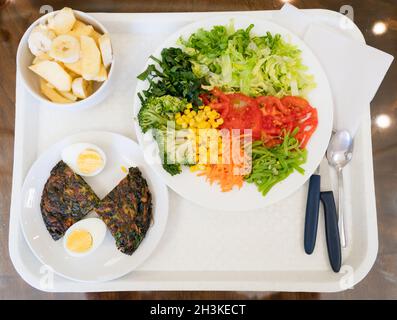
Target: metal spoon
(339, 153)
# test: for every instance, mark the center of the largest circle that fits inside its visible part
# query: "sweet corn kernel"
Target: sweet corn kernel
(204, 118)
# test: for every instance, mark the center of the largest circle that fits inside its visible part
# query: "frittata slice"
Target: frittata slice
(66, 199)
(127, 211)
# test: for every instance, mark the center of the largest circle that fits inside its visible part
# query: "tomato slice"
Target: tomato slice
(268, 117)
(271, 105)
(295, 102)
(247, 117)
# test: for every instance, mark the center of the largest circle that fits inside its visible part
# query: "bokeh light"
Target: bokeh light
(379, 28)
(383, 121)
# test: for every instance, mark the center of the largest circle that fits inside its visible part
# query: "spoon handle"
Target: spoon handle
(341, 219)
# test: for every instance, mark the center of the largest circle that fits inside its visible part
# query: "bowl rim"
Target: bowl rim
(82, 104)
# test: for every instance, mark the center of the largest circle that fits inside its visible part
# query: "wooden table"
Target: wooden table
(381, 283)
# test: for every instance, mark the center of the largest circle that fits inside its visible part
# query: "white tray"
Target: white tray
(201, 249)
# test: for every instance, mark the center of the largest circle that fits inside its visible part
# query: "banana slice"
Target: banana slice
(54, 74)
(51, 93)
(81, 88)
(65, 48)
(74, 67)
(90, 58)
(62, 22)
(106, 50)
(40, 40)
(102, 75)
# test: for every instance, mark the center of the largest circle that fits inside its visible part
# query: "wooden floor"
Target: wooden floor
(381, 283)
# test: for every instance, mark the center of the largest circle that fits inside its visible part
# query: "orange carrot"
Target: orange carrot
(224, 175)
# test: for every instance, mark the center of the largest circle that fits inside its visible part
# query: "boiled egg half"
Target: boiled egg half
(86, 159)
(84, 237)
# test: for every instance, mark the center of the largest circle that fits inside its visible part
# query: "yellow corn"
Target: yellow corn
(203, 118)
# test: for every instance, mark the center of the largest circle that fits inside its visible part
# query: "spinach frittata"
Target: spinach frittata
(66, 199)
(127, 211)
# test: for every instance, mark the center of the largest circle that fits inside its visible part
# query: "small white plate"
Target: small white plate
(106, 263)
(196, 189)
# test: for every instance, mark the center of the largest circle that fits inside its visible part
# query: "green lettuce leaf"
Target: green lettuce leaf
(236, 61)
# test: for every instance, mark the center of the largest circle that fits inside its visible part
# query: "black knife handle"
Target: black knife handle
(332, 230)
(312, 209)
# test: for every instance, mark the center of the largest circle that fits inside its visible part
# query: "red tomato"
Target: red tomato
(268, 117)
(247, 117)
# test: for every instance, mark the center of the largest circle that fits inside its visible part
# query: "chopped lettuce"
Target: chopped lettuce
(236, 61)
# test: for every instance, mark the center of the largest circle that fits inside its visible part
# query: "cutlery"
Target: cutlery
(339, 154)
(312, 209)
(315, 196)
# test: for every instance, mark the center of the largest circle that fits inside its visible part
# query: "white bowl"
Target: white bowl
(31, 80)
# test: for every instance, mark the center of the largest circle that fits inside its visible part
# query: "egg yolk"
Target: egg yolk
(79, 241)
(89, 161)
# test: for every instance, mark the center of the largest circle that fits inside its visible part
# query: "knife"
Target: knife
(317, 194)
(312, 210)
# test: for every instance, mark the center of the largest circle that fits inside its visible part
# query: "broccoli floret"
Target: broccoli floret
(149, 118)
(171, 104)
(155, 112)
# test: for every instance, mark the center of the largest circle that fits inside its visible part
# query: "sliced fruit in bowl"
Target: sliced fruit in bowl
(71, 53)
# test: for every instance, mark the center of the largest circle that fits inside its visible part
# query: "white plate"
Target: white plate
(106, 263)
(196, 189)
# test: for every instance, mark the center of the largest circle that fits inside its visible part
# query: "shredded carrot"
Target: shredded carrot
(224, 175)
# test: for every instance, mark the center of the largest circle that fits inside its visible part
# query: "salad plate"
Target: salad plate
(197, 189)
(106, 263)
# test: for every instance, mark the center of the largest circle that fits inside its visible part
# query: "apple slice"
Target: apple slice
(54, 74)
(74, 67)
(106, 50)
(68, 95)
(51, 93)
(95, 35)
(102, 75)
(82, 88)
(81, 29)
(42, 57)
(90, 58)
